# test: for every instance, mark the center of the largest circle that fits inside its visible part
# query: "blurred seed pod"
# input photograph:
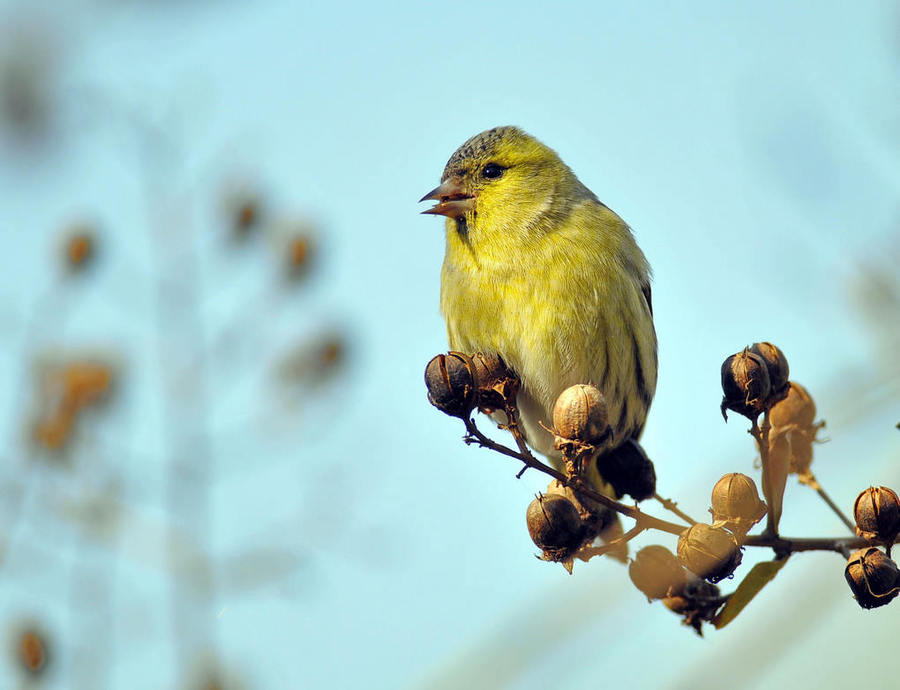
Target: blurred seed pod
(580, 415)
(451, 384)
(877, 514)
(244, 210)
(29, 648)
(299, 253)
(745, 384)
(736, 504)
(80, 248)
(797, 408)
(873, 577)
(709, 552)
(629, 470)
(496, 383)
(697, 602)
(657, 572)
(777, 366)
(555, 526)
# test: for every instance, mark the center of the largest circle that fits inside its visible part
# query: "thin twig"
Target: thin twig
(588, 552)
(672, 507)
(577, 484)
(761, 434)
(780, 545)
(811, 481)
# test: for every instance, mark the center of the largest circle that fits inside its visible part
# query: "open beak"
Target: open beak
(452, 199)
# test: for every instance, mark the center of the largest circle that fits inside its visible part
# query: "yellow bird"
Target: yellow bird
(539, 271)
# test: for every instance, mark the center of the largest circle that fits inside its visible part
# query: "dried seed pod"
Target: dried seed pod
(797, 408)
(697, 602)
(657, 572)
(629, 470)
(580, 414)
(877, 514)
(745, 384)
(873, 577)
(710, 552)
(451, 384)
(555, 526)
(777, 366)
(496, 383)
(736, 504)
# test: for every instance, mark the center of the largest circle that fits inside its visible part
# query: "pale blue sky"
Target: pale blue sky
(752, 146)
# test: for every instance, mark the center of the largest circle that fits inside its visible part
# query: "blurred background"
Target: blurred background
(218, 467)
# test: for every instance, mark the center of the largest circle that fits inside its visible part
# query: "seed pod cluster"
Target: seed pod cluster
(873, 577)
(629, 470)
(580, 416)
(877, 514)
(457, 383)
(657, 572)
(709, 552)
(736, 505)
(555, 526)
(745, 384)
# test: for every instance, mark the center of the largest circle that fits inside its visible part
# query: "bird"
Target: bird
(540, 272)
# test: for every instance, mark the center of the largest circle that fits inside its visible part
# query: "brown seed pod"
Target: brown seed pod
(451, 384)
(736, 504)
(873, 577)
(657, 572)
(796, 408)
(697, 602)
(877, 514)
(710, 552)
(555, 526)
(580, 414)
(778, 369)
(629, 470)
(745, 384)
(497, 384)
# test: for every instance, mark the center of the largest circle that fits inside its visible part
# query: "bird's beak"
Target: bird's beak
(453, 201)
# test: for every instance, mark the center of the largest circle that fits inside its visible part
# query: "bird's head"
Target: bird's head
(502, 186)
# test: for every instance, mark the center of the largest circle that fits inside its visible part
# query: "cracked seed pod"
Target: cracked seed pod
(736, 504)
(797, 408)
(657, 572)
(777, 366)
(451, 384)
(496, 383)
(745, 384)
(873, 577)
(710, 552)
(877, 514)
(629, 470)
(555, 526)
(580, 415)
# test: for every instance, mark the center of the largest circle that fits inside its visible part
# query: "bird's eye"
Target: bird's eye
(492, 171)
